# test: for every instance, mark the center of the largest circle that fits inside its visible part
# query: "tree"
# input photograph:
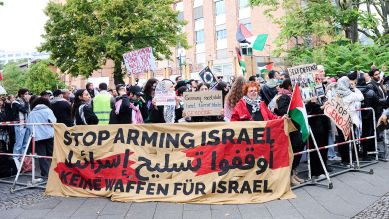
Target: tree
(39, 78)
(13, 78)
(82, 35)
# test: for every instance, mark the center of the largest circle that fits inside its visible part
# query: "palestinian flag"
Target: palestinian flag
(266, 68)
(298, 113)
(243, 35)
(242, 64)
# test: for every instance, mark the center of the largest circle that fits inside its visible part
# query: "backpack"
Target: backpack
(282, 105)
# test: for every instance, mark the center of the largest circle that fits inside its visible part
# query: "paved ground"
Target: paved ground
(355, 195)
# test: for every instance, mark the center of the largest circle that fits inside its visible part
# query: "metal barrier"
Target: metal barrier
(35, 182)
(354, 166)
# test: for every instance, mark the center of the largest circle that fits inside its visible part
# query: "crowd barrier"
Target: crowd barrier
(354, 165)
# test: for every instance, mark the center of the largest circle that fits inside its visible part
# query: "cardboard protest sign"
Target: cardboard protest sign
(238, 162)
(308, 79)
(208, 77)
(336, 110)
(164, 94)
(207, 103)
(139, 61)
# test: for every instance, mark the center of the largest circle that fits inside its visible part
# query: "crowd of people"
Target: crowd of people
(252, 100)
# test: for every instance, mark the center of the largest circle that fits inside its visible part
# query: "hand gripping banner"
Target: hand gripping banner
(238, 162)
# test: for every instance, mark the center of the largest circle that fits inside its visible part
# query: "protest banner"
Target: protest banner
(139, 61)
(238, 162)
(308, 80)
(207, 76)
(336, 110)
(206, 103)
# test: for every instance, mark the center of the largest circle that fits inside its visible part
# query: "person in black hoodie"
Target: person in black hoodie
(320, 126)
(269, 90)
(371, 99)
(62, 109)
(121, 112)
(82, 109)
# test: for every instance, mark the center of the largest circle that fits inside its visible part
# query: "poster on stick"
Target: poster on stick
(139, 61)
(307, 76)
(337, 111)
(205, 103)
(220, 163)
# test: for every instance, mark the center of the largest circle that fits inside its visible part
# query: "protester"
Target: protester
(21, 109)
(232, 98)
(255, 79)
(163, 114)
(250, 107)
(319, 127)
(91, 90)
(222, 86)
(46, 94)
(178, 78)
(82, 110)
(371, 100)
(149, 91)
(102, 104)
(62, 109)
(43, 134)
(351, 97)
(121, 112)
(269, 90)
(280, 103)
(219, 77)
(193, 85)
(330, 90)
(378, 88)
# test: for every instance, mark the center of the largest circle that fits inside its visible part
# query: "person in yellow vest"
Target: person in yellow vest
(102, 104)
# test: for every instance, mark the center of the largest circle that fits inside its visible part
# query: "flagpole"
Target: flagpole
(290, 102)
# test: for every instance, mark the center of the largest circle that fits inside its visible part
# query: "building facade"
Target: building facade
(211, 33)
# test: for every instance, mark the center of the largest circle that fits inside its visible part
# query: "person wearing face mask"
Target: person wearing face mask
(82, 110)
(250, 107)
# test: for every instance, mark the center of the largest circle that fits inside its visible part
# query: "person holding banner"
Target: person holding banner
(82, 111)
(250, 107)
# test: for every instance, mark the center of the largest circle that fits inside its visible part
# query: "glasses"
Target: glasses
(220, 77)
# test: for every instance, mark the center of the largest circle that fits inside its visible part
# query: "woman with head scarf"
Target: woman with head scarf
(250, 107)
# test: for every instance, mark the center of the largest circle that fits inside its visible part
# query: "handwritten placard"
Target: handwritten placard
(165, 98)
(207, 103)
(139, 61)
(338, 113)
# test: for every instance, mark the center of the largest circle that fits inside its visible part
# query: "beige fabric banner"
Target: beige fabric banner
(237, 162)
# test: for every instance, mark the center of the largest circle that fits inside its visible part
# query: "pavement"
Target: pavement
(354, 195)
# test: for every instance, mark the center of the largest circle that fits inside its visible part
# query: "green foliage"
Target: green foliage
(338, 58)
(13, 78)
(39, 77)
(82, 34)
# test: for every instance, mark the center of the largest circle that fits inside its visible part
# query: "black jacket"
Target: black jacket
(267, 93)
(62, 111)
(19, 107)
(125, 112)
(89, 115)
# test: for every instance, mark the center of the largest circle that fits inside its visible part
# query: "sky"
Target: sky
(21, 24)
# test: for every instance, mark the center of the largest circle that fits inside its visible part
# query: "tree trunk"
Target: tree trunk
(118, 73)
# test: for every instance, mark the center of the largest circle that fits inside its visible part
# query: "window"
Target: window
(244, 3)
(200, 58)
(198, 12)
(200, 36)
(219, 8)
(221, 34)
(221, 54)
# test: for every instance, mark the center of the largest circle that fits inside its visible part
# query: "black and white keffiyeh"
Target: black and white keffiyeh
(253, 103)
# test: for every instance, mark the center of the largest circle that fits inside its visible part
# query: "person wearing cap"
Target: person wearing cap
(136, 97)
(126, 111)
(46, 94)
(102, 104)
(62, 108)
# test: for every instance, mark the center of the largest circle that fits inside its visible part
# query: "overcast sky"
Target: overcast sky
(21, 24)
